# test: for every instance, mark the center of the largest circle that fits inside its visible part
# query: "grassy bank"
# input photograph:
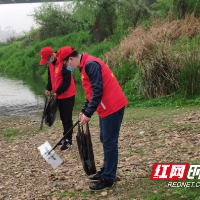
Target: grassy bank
(20, 59)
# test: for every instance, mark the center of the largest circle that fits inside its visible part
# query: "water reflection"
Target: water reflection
(17, 99)
(26, 98)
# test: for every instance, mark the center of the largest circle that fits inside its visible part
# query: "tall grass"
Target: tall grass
(190, 69)
(165, 66)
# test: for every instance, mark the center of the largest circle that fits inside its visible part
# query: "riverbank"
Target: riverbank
(148, 135)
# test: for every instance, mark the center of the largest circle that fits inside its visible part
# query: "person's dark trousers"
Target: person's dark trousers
(109, 134)
(65, 107)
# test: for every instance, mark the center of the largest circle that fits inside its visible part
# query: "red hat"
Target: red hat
(64, 52)
(45, 53)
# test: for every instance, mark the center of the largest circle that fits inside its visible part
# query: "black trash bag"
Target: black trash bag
(85, 150)
(51, 109)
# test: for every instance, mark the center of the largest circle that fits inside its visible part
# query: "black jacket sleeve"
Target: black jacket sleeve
(66, 81)
(93, 71)
(49, 87)
(85, 105)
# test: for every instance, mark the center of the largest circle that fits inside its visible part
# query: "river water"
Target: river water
(25, 97)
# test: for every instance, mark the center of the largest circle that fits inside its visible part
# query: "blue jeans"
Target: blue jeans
(109, 134)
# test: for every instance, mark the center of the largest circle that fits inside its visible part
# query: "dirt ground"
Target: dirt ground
(147, 136)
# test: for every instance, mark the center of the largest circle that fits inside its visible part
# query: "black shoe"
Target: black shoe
(66, 145)
(61, 142)
(96, 177)
(100, 185)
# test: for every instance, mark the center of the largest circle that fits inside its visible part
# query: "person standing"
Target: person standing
(61, 82)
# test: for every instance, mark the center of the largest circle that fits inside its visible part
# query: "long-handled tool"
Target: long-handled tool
(45, 106)
(63, 137)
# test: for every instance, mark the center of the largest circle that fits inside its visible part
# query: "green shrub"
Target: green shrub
(25, 61)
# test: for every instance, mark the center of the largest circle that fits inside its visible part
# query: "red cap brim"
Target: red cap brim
(43, 61)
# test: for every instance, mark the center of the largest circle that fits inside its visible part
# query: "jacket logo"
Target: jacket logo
(82, 77)
(112, 75)
(56, 70)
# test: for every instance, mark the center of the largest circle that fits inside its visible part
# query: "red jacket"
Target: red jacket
(57, 78)
(113, 98)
